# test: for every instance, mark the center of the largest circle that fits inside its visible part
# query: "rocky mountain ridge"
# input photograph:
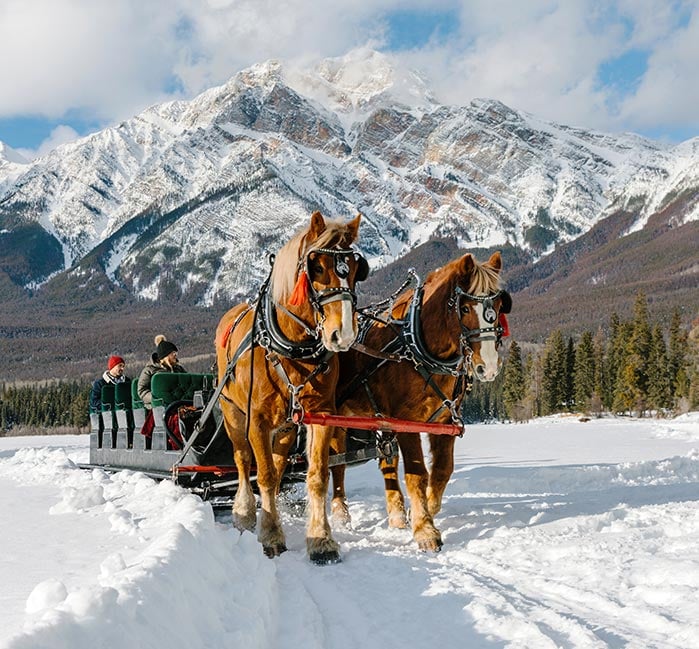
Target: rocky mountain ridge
(200, 191)
(170, 216)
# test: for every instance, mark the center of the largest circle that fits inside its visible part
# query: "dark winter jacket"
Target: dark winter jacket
(147, 373)
(96, 392)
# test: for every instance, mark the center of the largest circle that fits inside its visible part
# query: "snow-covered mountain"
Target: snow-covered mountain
(9, 155)
(196, 193)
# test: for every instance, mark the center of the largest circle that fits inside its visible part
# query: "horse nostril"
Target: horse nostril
(480, 370)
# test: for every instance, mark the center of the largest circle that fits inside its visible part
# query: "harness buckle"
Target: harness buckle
(296, 411)
(455, 417)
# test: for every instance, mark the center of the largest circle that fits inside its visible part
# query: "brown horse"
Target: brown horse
(443, 333)
(277, 358)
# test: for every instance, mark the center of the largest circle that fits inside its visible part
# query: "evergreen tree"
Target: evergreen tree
(659, 384)
(569, 397)
(553, 381)
(584, 381)
(532, 372)
(677, 357)
(640, 349)
(599, 345)
(631, 386)
(514, 386)
(616, 349)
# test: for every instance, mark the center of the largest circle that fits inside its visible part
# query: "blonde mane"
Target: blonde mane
(484, 280)
(289, 259)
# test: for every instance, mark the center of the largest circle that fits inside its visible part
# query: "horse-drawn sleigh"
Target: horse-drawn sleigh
(307, 384)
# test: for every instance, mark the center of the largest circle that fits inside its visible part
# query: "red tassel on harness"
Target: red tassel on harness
(505, 325)
(300, 293)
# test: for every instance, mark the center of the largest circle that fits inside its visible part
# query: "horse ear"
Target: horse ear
(317, 225)
(353, 227)
(466, 265)
(495, 261)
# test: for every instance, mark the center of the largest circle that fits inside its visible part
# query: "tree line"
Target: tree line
(635, 368)
(31, 409)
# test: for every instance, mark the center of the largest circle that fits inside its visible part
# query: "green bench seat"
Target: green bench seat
(109, 420)
(170, 387)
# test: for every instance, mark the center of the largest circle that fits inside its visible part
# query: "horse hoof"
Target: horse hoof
(272, 551)
(430, 545)
(325, 558)
(244, 523)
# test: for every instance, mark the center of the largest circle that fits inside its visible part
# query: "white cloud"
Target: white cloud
(108, 60)
(669, 91)
(62, 134)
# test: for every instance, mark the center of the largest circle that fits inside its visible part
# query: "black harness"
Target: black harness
(342, 269)
(267, 333)
(409, 344)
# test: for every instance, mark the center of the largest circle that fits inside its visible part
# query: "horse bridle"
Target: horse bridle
(341, 266)
(490, 315)
(269, 334)
(409, 344)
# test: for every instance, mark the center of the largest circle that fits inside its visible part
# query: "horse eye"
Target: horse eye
(316, 268)
(465, 309)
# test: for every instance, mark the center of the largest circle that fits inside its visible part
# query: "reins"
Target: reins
(408, 343)
(265, 332)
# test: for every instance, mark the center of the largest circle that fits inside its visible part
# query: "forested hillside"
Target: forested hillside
(640, 368)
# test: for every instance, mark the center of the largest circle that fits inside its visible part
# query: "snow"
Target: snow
(557, 533)
(8, 154)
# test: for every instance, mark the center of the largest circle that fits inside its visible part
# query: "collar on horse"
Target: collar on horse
(409, 344)
(270, 336)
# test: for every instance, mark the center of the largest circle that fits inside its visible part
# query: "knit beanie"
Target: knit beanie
(164, 347)
(114, 360)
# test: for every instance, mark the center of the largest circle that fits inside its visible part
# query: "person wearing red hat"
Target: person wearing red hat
(114, 374)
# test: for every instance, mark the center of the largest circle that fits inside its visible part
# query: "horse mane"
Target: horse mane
(287, 260)
(484, 280)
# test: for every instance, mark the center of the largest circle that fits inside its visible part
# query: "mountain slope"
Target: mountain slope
(172, 214)
(204, 189)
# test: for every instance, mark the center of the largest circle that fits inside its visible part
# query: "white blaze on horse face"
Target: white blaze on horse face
(340, 338)
(488, 365)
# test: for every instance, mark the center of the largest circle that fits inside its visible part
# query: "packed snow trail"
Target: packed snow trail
(556, 534)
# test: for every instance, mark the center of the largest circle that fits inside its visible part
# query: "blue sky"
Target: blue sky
(71, 67)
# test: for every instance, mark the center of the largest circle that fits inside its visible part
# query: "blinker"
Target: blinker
(342, 268)
(489, 313)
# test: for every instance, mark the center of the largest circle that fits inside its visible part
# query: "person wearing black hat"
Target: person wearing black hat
(114, 374)
(163, 359)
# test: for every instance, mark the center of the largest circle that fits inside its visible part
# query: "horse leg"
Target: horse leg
(269, 530)
(284, 437)
(339, 512)
(395, 504)
(321, 547)
(244, 505)
(425, 533)
(442, 449)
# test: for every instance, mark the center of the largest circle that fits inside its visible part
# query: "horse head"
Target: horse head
(322, 286)
(480, 305)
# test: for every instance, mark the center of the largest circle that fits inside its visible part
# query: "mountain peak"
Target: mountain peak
(262, 74)
(8, 154)
(359, 82)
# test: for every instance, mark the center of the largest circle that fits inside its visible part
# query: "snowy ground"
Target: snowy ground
(557, 533)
